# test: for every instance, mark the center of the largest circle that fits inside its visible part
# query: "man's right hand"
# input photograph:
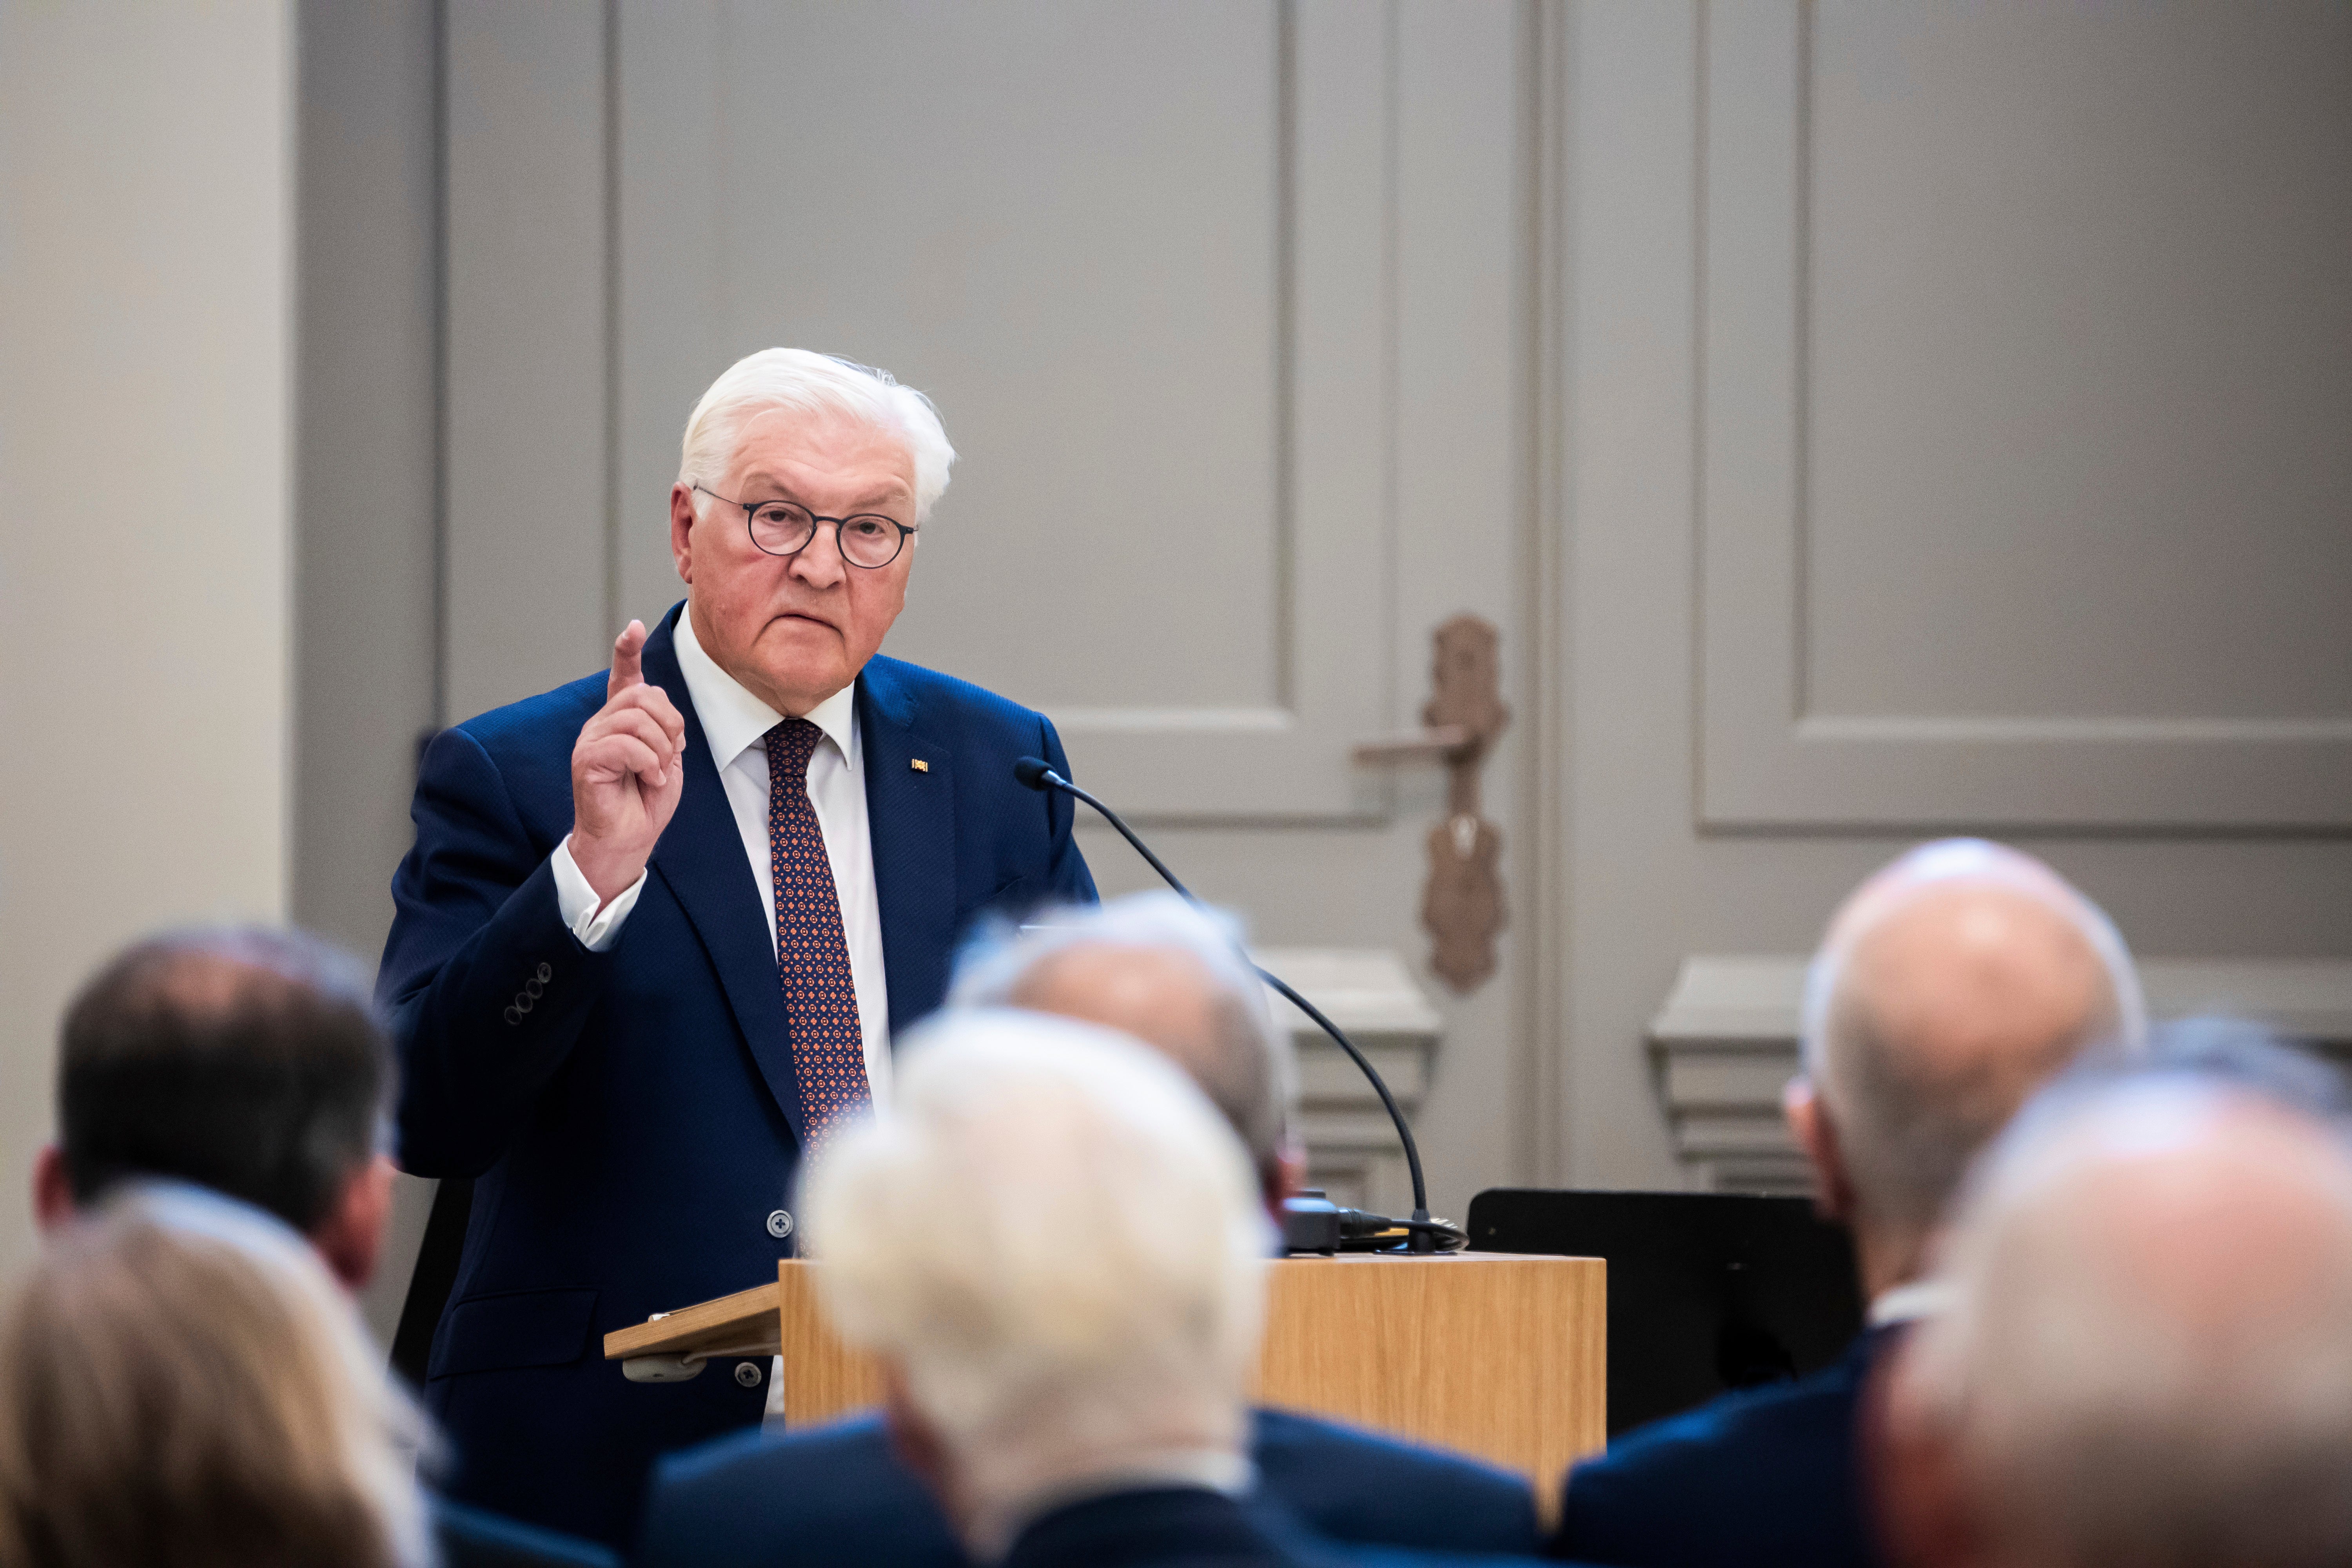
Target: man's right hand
(628, 770)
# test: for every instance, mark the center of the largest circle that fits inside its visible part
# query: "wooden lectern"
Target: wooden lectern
(1497, 1356)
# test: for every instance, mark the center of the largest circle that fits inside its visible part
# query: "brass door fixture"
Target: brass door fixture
(1462, 904)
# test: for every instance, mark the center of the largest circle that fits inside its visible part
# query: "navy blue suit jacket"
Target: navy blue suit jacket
(631, 1117)
(1761, 1477)
(1176, 1527)
(836, 1493)
(1189, 1526)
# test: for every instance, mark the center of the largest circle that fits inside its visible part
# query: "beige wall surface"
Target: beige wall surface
(144, 243)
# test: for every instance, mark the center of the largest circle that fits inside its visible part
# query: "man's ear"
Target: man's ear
(1816, 1134)
(53, 1196)
(350, 1238)
(681, 531)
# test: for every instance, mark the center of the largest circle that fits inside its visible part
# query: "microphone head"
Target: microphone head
(1032, 771)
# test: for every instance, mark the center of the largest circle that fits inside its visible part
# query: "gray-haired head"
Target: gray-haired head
(1168, 973)
(1055, 1244)
(2145, 1355)
(1950, 985)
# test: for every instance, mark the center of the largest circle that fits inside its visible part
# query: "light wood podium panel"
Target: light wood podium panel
(1502, 1357)
(1499, 1356)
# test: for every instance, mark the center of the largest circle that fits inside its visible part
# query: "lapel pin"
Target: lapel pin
(920, 766)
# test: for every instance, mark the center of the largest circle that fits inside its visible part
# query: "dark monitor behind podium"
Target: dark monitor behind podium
(1707, 1291)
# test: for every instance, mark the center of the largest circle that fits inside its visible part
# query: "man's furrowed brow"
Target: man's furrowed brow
(760, 485)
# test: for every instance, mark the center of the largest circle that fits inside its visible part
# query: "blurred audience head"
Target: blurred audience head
(2145, 1355)
(183, 1385)
(1173, 975)
(245, 1060)
(1950, 985)
(1055, 1245)
(2220, 1052)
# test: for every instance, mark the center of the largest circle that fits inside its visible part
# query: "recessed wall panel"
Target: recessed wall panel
(2024, 499)
(2079, 428)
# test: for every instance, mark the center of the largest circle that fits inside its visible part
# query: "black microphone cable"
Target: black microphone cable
(1354, 1229)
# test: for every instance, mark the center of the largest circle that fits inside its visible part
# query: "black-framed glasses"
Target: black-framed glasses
(782, 528)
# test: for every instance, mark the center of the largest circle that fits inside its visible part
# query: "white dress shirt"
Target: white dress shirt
(735, 722)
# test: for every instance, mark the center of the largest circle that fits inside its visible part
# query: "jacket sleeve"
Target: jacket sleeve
(486, 989)
(1065, 873)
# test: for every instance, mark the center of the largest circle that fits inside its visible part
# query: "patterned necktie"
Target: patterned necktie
(811, 954)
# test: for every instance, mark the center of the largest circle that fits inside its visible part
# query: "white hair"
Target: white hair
(2146, 1352)
(813, 383)
(1907, 1135)
(1053, 1238)
(1252, 1074)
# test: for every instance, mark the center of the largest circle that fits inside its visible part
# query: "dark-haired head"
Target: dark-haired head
(246, 1060)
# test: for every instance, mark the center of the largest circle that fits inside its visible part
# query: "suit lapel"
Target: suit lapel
(910, 818)
(701, 859)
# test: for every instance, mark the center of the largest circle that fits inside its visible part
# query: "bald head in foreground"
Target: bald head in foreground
(2147, 1353)
(1950, 985)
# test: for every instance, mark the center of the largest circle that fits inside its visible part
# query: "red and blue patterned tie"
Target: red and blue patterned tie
(811, 954)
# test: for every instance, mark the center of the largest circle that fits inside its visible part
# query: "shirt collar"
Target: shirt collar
(1906, 1303)
(734, 721)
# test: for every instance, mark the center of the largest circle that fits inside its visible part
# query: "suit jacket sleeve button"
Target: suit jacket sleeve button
(779, 1224)
(514, 1015)
(546, 973)
(747, 1372)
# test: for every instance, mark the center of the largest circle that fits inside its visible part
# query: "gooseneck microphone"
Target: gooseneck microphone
(1424, 1232)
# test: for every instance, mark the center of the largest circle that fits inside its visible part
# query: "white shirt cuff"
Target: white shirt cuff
(576, 901)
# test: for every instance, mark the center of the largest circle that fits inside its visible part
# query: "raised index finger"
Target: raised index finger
(628, 660)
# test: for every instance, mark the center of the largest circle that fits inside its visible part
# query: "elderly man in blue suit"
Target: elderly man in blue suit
(1950, 986)
(1171, 975)
(659, 925)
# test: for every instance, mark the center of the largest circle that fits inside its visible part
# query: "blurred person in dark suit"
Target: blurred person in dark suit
(251, 1063)
(2145, 1356)
(184, 1385)
(1949, 986)
(659, 926)
(1171, 975)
